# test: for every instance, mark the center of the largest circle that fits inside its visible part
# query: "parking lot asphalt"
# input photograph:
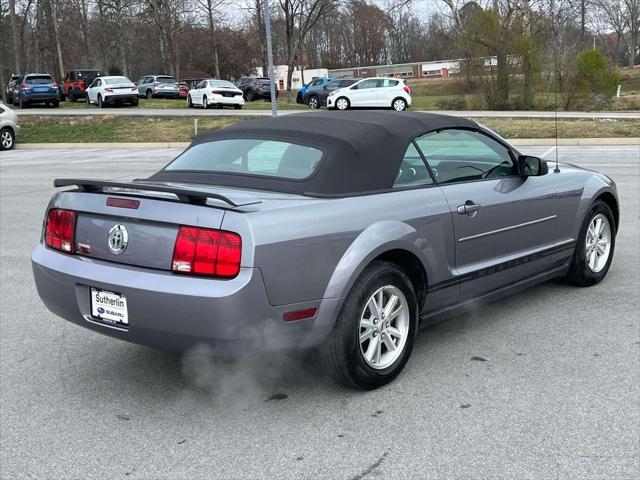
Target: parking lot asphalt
(191, 112)
(543, 385)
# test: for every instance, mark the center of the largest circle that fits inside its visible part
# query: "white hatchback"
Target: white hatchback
(374, 92)
(215, 93)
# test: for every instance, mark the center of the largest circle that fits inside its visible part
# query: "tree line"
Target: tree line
(225, 39)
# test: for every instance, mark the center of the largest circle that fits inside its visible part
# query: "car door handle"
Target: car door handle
(468, 207)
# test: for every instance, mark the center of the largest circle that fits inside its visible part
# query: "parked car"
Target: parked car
(316, 96)
(158, 86)
(284, 233)
(8, 93)
(112, 90)
(316, 82)
(77, 81)
(215, 93)
(9, 128)
(254, 88)
(183, 90)
(36, 88)
(372, 92)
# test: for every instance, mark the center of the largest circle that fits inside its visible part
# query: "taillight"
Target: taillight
(155, 84)
(55, 85)
(108, 89)
(203, 251)
(134, 88)
(24, 86)
(407, 89)
(60, 229)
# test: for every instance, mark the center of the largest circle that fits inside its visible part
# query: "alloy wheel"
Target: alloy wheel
(598, 243)
(384, 327)
(313, 103)
(342, 104)
(205, 104)
(399, 105)
(6, 139)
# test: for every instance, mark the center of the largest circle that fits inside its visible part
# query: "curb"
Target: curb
(575, 142)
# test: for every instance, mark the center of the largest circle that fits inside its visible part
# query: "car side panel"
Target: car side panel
(318, 249)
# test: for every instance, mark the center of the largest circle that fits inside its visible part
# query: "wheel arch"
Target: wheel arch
(389, 240)
(610, 199)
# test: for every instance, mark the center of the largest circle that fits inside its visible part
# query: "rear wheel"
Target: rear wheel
(149, 95)
(399, 104)
(314, 103)
(594, 251)
(55, 103)
(250, 96)
(7, 139)
(100, 102)
(22, 103)
(342, 103)
(375, 330)
(237, 107)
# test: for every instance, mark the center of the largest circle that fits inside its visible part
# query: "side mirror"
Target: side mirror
(529, 166)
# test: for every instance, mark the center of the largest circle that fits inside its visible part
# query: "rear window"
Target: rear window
(221, 84)
(250, 157)
(166, 80)
(38, 79)
(116, 81)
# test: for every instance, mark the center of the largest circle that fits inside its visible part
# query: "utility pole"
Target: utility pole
(272, 79)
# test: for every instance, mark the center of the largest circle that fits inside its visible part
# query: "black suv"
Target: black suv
(255, 87)
(316, 96)
(8, 93)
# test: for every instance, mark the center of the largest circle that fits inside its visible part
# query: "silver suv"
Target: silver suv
(158, 86)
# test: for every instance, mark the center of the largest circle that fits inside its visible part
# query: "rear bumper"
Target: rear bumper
(175, 312)
(129, 97)
(166, 94)
(222, 100)
(40, 97)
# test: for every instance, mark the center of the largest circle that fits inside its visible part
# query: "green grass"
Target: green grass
(112, 128)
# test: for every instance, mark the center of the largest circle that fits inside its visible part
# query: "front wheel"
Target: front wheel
(375, 330)
(399, 105)
(250, 96)
(342, 104)
(594, 251)
(189, 102)
(149, 95)
(205, 103)
(7, 139)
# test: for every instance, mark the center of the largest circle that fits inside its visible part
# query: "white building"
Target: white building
(297, 81)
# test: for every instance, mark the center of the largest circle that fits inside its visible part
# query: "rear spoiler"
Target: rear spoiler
(184, 195)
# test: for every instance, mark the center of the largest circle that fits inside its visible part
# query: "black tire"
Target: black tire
(189, 101)
(341, 353)
(7, 139)
(101, 104)
(580, 273)
(399, 104)
(134, 102)
(55, 103)
(348, 104)
(22, 103)
(86, 99)
(314, 102)
(250, 96)
(205, 102)
(237, 107)
(149, 95)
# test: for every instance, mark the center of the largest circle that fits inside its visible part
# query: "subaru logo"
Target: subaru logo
(118, 239)
(100, 310)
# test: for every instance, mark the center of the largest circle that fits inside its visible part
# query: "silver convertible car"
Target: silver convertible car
(338, 232)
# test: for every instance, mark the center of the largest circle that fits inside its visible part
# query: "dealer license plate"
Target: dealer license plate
(109, 307)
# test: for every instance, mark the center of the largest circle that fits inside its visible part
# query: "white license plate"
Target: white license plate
(109, 307)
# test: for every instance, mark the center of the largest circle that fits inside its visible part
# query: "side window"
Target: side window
(464, 156)
(389, 83)
(413, 172)
(202, 84)
(367, 84)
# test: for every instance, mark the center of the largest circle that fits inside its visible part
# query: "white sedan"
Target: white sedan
(215, 93)
(105, 91)
(374, 92)
(9, 128)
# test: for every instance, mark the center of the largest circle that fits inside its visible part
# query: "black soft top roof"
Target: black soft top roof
(362, 149)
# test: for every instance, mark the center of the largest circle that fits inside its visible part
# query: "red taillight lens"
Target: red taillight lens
(24, 86)
(407, 89)
(203, 251)
(134, 88)
(60, 230)
(108, 89)
(55, 85)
